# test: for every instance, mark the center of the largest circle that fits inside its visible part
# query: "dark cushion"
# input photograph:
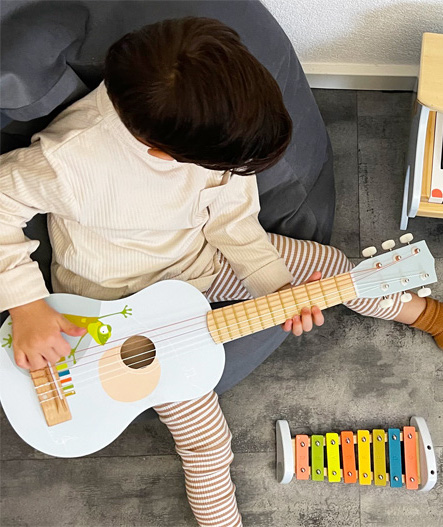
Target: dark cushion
(52, 54)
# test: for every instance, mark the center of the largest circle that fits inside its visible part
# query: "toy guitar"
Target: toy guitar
(165, 344)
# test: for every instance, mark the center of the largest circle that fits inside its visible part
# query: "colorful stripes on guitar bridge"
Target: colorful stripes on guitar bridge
(65, 378)
(394, 457)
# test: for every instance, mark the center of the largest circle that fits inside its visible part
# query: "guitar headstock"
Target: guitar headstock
(396, 270)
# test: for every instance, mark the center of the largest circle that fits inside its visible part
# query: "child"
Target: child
(151, 177)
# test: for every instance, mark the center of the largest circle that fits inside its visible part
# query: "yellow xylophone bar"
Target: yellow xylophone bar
(367, 457)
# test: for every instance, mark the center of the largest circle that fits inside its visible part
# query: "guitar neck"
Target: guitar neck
(244, 318)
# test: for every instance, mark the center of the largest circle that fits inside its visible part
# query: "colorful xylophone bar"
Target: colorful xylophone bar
(364, 457)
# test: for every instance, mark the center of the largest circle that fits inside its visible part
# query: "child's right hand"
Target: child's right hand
(36, 335)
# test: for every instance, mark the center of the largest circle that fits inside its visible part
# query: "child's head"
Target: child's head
(190, 88)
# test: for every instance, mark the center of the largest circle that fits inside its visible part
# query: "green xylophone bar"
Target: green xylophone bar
(395, 457)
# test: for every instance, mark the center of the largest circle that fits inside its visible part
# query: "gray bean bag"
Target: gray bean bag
(51, 55)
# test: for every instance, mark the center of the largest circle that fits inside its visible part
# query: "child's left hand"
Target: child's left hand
(308, 317)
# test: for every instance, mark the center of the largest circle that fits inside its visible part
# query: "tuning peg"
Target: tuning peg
(369, 251)
(424, 291)
(406, 297)
(388, 245)
(386, 302)
(406, 238)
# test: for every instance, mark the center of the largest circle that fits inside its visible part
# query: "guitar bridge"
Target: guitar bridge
(50, 395)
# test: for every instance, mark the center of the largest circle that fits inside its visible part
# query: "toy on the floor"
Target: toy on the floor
(402, 458)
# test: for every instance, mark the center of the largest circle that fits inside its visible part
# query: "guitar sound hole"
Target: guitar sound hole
(137, 352)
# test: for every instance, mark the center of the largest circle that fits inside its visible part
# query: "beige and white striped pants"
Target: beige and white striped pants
(200, 431)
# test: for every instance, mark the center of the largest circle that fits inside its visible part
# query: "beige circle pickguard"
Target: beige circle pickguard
(123, 383)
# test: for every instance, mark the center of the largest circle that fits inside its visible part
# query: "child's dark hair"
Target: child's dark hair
(190, 88)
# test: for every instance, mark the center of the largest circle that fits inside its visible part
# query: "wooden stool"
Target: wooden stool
(423, 193)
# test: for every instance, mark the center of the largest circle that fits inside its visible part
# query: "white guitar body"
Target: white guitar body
(105, 393)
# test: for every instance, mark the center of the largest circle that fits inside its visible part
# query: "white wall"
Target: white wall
(333, 35)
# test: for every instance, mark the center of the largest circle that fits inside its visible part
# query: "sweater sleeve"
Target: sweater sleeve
(29, 185)
(233, 228)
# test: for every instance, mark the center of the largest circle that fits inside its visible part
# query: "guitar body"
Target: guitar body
(170, 355)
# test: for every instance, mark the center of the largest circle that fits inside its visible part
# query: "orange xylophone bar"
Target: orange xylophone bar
(400, 458)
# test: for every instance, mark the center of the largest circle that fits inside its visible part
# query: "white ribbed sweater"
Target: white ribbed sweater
(121, 219)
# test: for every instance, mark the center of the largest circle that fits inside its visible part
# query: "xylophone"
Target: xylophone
(348, 456)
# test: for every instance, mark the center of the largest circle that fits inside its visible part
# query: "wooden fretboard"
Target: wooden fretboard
(238, 320)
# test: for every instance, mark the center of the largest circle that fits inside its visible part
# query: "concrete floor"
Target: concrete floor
(352, 373)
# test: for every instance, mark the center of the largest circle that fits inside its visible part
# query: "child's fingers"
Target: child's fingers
(297, 328)
(21, 359)
(52, 355)
(287, 325)
(306, 319)
(37, 362)
(317, 316)
(305, 322)
(316, 275)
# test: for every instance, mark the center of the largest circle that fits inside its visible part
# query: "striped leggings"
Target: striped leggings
(199, 429)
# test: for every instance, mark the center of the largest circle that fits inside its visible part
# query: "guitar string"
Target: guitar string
(367, 271)
(105, 375)
(95, 377)
(308, 301)
(200, 329)
(204, 316)
(164, 357)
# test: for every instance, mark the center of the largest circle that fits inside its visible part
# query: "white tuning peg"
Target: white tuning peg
(424, 291)
(388, 245)
(406, 297)
(406, 238)
(385, 303)
(369, 251)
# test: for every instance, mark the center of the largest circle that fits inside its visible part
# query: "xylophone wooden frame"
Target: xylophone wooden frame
(285, 466)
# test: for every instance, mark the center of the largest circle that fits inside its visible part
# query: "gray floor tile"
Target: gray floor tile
(339, 111)
(102, 492)
(149, 492)
(266, 503)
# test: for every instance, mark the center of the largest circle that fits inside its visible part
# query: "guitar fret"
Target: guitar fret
(252, 314)
(345, 287)
(228, 321)
(289, 312)
(301, 296)
(338, 290)
(330, 292)
(239, 319)
(247, 328)
(258, 304)
(271, 310)
(276, 312)
(221, 325)
(262, 305)
(315, 295)
(323, 293)
(214, 317)
(296, 307)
